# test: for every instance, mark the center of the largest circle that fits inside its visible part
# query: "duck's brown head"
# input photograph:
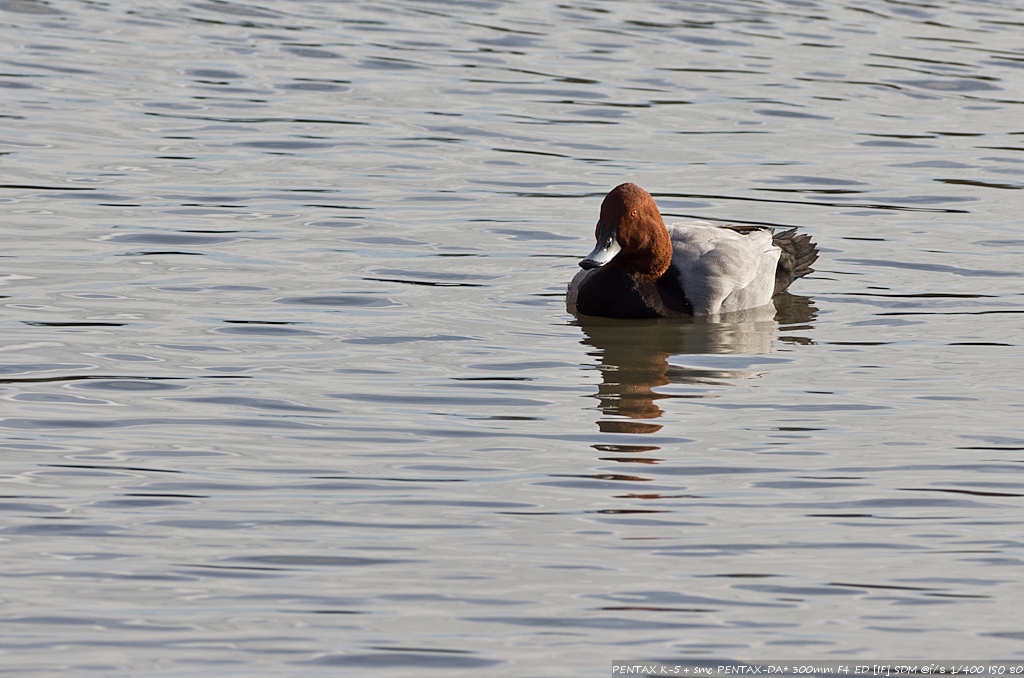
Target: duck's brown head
(631, 234)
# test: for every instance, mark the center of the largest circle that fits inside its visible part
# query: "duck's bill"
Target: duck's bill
(606, 249)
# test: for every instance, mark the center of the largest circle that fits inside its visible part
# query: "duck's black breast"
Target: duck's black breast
(616, 293)
(672, 294)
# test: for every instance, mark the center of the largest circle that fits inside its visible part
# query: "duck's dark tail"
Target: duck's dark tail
(798, 253)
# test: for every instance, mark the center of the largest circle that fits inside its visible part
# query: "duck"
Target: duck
(641, 268)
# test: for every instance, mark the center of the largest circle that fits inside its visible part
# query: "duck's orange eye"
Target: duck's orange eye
(633, 213)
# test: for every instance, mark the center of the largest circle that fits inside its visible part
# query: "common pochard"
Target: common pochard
(641, 268)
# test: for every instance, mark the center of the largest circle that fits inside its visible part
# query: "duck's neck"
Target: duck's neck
(649, 258)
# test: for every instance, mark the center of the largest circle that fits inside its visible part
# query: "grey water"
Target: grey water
(288, 386)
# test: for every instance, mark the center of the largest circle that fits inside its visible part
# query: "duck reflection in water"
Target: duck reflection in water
(634, 355)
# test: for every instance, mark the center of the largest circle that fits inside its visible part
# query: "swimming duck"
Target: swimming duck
(641, 268)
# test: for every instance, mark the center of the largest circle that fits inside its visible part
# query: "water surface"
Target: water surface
(289, 388)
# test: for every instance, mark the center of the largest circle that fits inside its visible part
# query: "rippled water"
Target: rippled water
(289, 388)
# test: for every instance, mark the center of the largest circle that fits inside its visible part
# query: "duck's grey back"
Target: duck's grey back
(723, 270)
